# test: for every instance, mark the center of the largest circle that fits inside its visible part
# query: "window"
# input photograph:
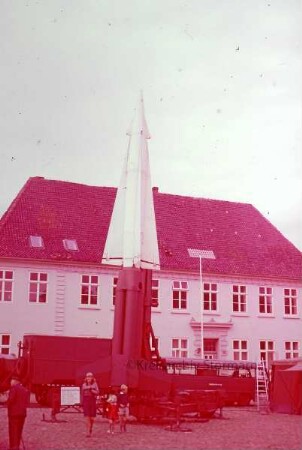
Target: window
(155, 293)
(265, 300)
(180, 291)
(240, 350)
(267, 351)
(114, 284)
(70, 244)
(290, 302)
(239, 298)
(36, 241)
(4, 344)
(89, 289)
(6, 285)
(210, 297)
(291, 349)
(154, 343)
(179, 348)
(37, 287)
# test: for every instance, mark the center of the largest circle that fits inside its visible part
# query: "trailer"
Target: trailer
(236, 379)
(46, 364)
(50, 361)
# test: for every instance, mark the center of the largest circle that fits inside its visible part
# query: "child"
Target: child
(112, 412)
(123, 407)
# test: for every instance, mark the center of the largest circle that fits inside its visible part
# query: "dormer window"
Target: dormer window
(36, 241)
(70, 244)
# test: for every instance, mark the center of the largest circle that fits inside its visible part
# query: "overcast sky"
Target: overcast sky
(222, 83)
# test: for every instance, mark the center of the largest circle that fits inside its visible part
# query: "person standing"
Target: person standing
(112, 411)
(123, 407)
(90, 391)
(17, 403)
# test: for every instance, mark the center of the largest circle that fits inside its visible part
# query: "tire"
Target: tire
(42, 395)
(244, 400)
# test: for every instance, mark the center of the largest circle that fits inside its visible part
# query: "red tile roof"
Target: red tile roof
(244, 242)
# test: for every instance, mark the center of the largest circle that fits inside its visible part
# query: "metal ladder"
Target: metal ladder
(262, 396)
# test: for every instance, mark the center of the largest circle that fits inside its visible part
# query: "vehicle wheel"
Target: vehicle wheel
(42, 396)
(244, 400)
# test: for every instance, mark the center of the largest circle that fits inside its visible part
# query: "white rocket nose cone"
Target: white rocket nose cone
(132, 236)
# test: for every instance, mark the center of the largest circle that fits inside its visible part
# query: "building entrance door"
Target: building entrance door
(210, 347)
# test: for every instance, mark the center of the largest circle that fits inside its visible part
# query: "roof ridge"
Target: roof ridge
(74, 183)
(231, 202)
(204, 198)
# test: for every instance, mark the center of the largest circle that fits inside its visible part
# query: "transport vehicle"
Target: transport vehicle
(237, 379)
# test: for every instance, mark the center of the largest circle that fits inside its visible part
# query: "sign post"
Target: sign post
(201, 254)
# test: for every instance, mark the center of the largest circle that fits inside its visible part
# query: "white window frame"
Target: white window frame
(180, 295)
(239, 298)
(290, 302)
(6, 281)
(240, 350)
(210, 297)
(267, 351)
(291, 349)
(5, 348)
(157, 341)
(70, 245)
(155, 293)
(179, 347)
(91, 284)
(36, 241)
(40, 284)
(265, 300)
(114, 285)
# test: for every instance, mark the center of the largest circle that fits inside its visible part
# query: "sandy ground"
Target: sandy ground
(240, 428)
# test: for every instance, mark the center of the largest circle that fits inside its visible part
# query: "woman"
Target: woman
(90, 392)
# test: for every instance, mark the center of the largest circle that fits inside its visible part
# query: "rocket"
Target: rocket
(132, 238)
(132, 244)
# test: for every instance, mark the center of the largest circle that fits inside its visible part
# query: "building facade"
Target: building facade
(52, 282)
